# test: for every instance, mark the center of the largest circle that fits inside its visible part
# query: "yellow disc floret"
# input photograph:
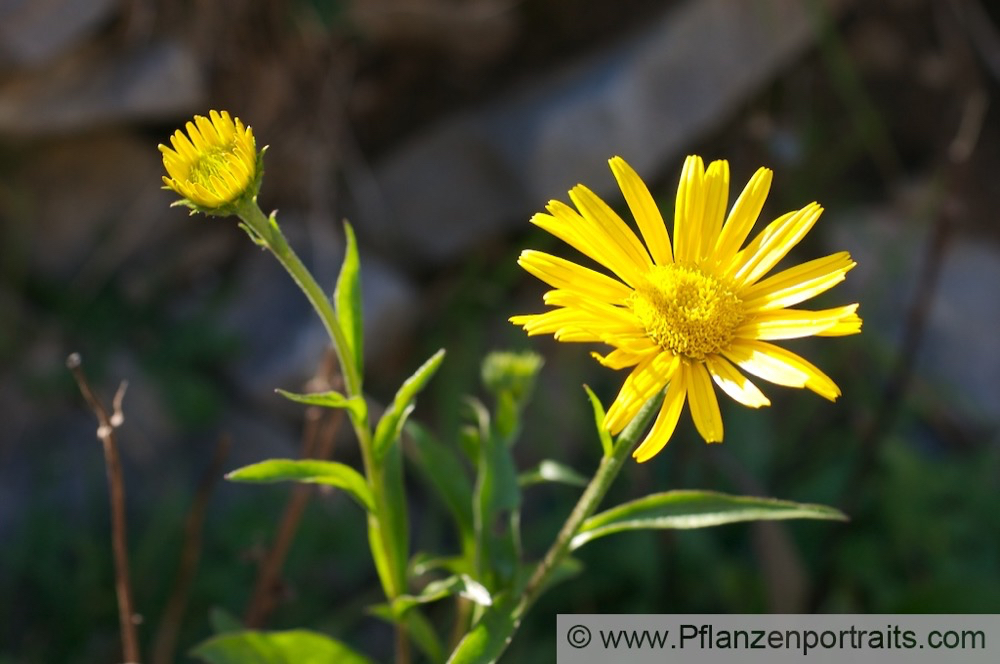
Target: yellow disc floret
(687, 311)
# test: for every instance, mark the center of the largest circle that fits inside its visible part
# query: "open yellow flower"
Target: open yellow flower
(215, 165)
(685, 315)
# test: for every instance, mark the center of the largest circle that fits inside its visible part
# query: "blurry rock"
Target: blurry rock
(470, 178)
(472, 31)
(86, 203)
(33, 32)
(957, 356)
(95, 87)
(283, 339)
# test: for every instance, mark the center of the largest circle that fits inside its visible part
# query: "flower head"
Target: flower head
(215, 166)
(685, 314)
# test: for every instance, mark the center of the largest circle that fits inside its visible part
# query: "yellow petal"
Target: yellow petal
(796, 323)
(716, 199)
(734, 383)
(704, 404)
(566, 224)
(562, 273)
(848, 325)
(752, 358)
(782, 367)
(666, 421)
(644, 210)
(582, 325)
(743, 216)
(621, 358)
(798, 283)
(608, 313)
(648, 378)
(610, 225)
(688, 210)
(773, 244)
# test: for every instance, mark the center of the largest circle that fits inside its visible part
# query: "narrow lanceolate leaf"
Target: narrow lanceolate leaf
(695, 509)
(355, 405)
(447, 474)
(496, 517)
(297, 646)
(391, 424)
(552, 471)
(488, 638)
(223, 621)
(602, 433)
(459, 584)
(347, 299)
(417, 626)
(310, 471)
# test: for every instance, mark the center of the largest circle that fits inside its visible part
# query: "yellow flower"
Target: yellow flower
(685, 315)
(215, 165)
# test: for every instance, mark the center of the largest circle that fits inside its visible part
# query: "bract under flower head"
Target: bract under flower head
(215, 165)
(685, 314)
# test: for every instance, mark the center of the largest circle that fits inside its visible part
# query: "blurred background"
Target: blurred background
(438, 127)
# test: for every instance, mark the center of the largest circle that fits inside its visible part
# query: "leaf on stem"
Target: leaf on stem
(418, 628)
(446, 474)
(391, 425)
(309, 471)
(602, 433)
(486, 641)
(356, 406)
(297, 646)
(462, 585)
(552, 471)
(695, 509)
(347, 299)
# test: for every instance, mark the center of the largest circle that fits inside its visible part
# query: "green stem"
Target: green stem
(592, 496)
(268, 234)
(490, 637)
(273, 239)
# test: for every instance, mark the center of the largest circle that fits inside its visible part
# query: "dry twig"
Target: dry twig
(107, 423)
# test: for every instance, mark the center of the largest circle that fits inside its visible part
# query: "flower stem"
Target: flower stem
(272, 238)
(592, 496)
(265, 231)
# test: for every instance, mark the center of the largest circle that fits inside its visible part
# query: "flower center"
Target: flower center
(687, 311)
(212, 161)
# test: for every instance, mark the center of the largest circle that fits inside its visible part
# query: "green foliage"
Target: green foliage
(298, 646)
(347, 300)
(552, 471)
(694, 509)
(391, 425)
(445, 473)
(599, 413)
(309, 471)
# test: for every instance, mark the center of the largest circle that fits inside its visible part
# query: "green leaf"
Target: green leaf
(486, 641)
(417, 626)
(446, 474)
(422, 633)
(497, 499)
(602, 433)
(347, 299)
(396, 515)
(391, 424)
(552, 471)
(310, 471)
(223, 621)
(695, 509)
(292, 647)
(355, 405)
(462, 585)
(423, 563)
